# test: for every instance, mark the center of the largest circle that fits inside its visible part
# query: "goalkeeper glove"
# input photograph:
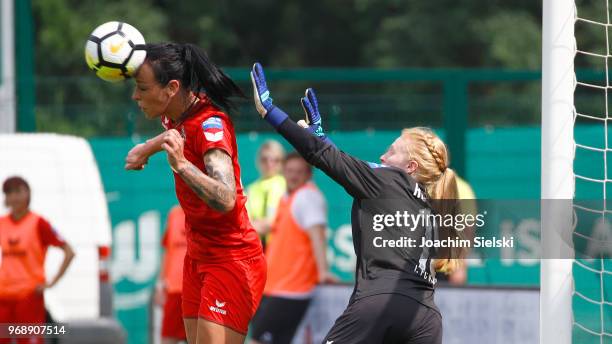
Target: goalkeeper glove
(263, 101)
(313, 118)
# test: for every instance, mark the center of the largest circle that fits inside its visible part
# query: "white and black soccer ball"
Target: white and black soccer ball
(115, 50)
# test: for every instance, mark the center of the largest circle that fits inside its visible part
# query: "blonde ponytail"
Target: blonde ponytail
(431, 155)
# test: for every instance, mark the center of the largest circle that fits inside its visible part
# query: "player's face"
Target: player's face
(296, 173)
(17, 200)
(269, 163)
(395, 155)
(152, 98)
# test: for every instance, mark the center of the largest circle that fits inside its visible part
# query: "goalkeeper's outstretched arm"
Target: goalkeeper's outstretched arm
(357, 177)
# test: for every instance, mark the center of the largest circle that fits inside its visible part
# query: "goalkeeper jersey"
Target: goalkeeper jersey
(377, 190)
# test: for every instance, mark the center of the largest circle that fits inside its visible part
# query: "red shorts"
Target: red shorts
(28, 310)
(225, 293)
(172, 322)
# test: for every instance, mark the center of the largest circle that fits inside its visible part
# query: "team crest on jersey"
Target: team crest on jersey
(213, 129)
(166, 123)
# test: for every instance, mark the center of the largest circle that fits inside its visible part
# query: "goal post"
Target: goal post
(8, 99)
(556, 283)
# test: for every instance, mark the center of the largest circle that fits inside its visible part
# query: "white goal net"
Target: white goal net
(592, 235)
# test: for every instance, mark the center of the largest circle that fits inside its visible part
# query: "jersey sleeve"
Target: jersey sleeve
(357, 177)
(215, 132)
(309, 208)
(48, 235)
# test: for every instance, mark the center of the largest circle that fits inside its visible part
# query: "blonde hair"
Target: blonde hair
(427, 149)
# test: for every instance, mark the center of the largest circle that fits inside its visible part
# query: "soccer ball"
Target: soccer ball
(115, 50)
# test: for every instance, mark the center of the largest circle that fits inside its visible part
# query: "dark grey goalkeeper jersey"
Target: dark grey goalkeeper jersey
(386, 262)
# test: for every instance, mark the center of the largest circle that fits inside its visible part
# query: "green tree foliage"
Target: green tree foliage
(292, 34)
(64, 25)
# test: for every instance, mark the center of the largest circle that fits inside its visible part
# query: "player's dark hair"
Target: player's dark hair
(191, 66)
(13, 183)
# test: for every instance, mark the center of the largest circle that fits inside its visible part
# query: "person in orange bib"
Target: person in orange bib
(24, 239)
(170, 287)
(296, 256)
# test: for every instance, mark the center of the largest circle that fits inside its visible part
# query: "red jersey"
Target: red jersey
(212, 236)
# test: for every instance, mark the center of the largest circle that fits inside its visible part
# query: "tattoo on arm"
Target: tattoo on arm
(218, 186)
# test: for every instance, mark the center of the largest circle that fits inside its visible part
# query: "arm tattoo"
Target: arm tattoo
(218, 186)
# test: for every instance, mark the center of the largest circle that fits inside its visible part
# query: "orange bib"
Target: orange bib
(23, 257)
(292, 268)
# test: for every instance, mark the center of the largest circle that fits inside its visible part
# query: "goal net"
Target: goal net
(576, 294)
(592, 270)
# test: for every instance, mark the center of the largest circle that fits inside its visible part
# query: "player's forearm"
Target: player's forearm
(308, 145)
(317, 238)
(152, 146)
(68, 256)
(217, 194)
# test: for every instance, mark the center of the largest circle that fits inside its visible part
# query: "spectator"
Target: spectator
(296, 256)
(265, 193)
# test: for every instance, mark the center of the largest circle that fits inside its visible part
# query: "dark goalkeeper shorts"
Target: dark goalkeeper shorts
(277, 319)
(388, 319)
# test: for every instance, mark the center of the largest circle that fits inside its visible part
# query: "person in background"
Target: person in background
(264, 194)
(170, 285)
(467, 204)
(296, 256)
(24, 239)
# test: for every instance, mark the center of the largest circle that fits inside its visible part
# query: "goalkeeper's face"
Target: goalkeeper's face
(397, 156)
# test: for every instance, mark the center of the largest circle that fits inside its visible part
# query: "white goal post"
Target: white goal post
(558, 80)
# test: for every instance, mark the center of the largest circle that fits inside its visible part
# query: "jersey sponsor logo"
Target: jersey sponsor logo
(219, 309)
(213, 129)
(13, 241)
(14, 248)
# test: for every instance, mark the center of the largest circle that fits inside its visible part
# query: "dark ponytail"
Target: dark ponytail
(196, 72)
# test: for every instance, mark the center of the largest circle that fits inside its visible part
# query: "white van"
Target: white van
(68, 192)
